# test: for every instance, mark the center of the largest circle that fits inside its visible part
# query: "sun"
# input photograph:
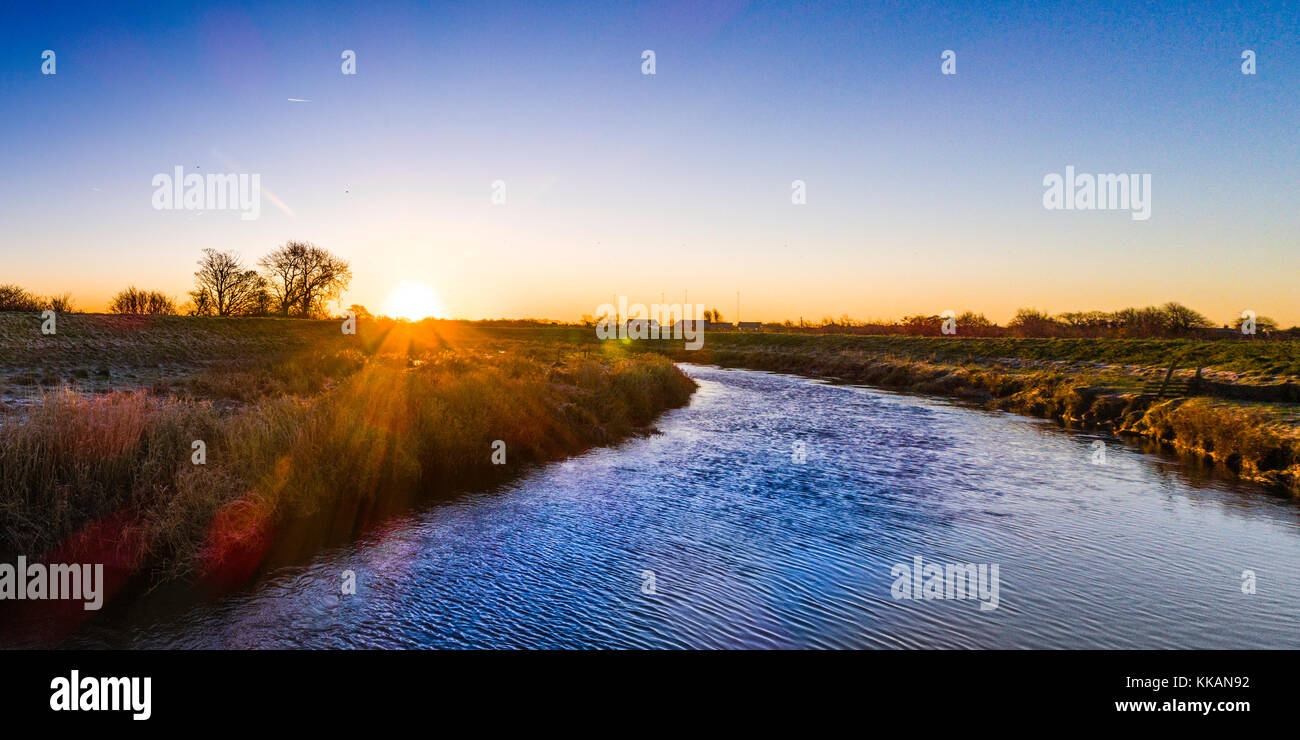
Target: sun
(412, 301)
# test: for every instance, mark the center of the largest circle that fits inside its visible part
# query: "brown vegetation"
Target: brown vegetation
(1171, 321)
(14, 298)
(131, 300)
(322, 437)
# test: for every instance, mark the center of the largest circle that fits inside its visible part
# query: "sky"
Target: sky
(924, 191)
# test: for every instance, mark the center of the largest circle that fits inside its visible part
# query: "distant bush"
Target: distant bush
(1262, 324)
(1179, 319)
(14, 298)
(1030, 322)
(1172, 320)
(132, 300)
(61, 303)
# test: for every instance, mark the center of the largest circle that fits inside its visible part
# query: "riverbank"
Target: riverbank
(713, 535)
(190, 447)
(1087, 383)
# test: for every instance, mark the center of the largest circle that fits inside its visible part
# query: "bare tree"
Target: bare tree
(127, 300)
(200, 303)
(1180, 319)
(227, 286)
(1140, 322)
(1030, 322)
(281, 270)
(302, 278)
(259, 301)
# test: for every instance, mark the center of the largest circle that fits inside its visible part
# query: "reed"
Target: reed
(332, 435)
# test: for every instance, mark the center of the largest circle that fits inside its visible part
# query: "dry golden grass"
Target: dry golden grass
(335, 433)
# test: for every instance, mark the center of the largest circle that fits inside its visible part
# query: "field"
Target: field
(310, 435)
(197, 447)
(1243, 361)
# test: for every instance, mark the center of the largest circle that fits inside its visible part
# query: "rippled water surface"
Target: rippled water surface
(750, 549)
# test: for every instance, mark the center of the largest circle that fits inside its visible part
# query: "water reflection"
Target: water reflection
(750, 548)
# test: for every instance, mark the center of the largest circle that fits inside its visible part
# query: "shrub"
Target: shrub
(146, 302)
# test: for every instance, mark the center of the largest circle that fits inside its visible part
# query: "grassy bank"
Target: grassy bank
(1249, 360)
(308, 434)
(1083, 382)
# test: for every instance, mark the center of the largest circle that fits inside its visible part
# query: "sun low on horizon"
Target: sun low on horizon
(413, 301)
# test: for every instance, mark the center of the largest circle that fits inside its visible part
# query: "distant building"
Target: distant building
(643, 328)
(1224, 333)
(750, 326)
(693, 325)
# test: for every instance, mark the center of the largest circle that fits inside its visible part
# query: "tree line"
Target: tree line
(296, 279)
(1171, 320)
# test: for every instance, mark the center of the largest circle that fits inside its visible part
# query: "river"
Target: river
(717, 533)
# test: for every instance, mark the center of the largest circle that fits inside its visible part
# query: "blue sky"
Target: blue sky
(924, 190)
